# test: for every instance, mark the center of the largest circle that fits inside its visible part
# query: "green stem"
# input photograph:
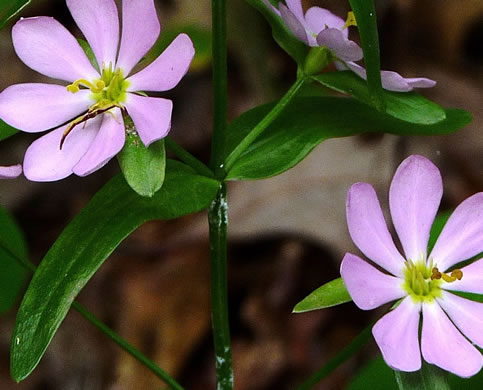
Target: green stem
(220, 86)
(127, 347)
(264, 123)
(337, 360)
(218, 222)
(105, 329)
(188, 158)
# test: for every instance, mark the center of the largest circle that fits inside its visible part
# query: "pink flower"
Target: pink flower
(10, 172)
(422, 283)
(89, 110)
(320, 27)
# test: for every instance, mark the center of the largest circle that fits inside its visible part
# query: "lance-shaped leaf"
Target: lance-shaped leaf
(308, 121)
(12, 273)
(111, 215)
(142, 167)
(10, 8)
(365, 13)
(330, 294)
(408, 106)
(282, 35)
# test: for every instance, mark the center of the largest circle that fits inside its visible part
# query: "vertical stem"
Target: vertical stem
(218, 221)
(220, 90)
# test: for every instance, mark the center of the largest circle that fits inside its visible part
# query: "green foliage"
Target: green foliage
(142, 167)
(112, 214)
(365, 14)
(429, 377)
(6, 131)
(12, 274)
(408, 106)
(9, 9)
(330, 294)
(89, 53)
(308, 121)
(378, 376)
(282, 35)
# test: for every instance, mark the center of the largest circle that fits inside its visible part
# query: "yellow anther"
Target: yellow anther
(350, 21)
(456, 274)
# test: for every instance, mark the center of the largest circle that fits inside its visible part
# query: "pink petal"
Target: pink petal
(38, 107)
(393, 81)
(367, 286)
(420, 82)
(368, 229)
(414, 198)
(46, 46)
(318, 19)
(472, 280)
(343, 48)
(167, 70)
(10, 172)
(135, 45)
(108, 142)
(151, 116)
(443, 345)
(294, 24)
(99, 22)
(45, 161)
(396, 335)
(295, 6)
(462, 236)
(466, 315)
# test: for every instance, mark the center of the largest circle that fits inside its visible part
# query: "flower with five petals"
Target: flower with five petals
(87, 113)
(426, 286)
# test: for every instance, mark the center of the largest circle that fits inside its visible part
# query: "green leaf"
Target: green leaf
(12, 274)
(6, 131)
(330, 294)
(365, 13)
(378, 376)
(437, 227)
(89, 53)
(282, 35)
(409, 106)
(10, 8)
(429, 377)
(111, 215)
(200, 36)
(142, 167)
(308, 121)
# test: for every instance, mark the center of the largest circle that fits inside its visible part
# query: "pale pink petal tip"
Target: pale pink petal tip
(10, 172)
(396, 335)
(444, 346)
(414, 198)
(368, 287)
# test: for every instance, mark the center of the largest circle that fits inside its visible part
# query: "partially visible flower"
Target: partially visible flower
(421, 283)
(320, 27)
(89, 110)
(10, 172)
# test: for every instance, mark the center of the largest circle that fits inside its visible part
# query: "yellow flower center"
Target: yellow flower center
(109, 92)
(423, 282)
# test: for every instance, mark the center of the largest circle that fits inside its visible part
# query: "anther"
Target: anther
(350, 21)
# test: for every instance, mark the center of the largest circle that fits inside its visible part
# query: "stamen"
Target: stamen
(456, 274)
(96, 88)
(350, 21)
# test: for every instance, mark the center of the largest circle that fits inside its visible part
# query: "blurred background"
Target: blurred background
(287, 234)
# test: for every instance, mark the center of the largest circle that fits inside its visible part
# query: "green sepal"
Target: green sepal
(142, 167)
(9, 9)
(429, 377)
(12, 273)
(330, 294)
(89, 53)
(406, 106)
(110, 216)
(317, 59)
